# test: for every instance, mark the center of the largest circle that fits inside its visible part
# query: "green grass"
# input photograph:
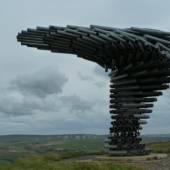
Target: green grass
(51, 162)
(88, 145)
(10, 152)
(162, 147)
(53, 154)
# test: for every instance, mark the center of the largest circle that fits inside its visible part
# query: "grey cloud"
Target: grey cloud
(33, 93)
(53, 114)
(42, 83)
(99, 71)
(43, 102)
(15, 103)
(40, 92)
(12, 103)
(76, 104)
(85, 77)
(100, 84)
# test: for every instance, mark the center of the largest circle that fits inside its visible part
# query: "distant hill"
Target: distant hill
(14, 147)
(156, 138)
(46, 138)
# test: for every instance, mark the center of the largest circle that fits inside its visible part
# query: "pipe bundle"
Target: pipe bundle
(139, 60)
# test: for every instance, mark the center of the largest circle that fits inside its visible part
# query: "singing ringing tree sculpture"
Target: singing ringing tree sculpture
(139, 60)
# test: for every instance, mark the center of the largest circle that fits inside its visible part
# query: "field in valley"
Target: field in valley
(52, 152)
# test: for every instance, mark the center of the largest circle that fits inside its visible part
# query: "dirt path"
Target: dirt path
(161, 164)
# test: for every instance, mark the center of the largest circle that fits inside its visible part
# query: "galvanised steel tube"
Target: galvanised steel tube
(139, 61)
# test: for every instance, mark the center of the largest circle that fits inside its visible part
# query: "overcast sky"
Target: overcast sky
(47, 93)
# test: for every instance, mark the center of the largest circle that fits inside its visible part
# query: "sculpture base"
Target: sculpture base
(136, 152)
(135, 149)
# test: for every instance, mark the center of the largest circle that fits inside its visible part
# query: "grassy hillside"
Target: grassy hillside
(12, 151)
(52, 151)
(27, 165)
(155, 138)
(55, 162)
(161, 147)
(15, 147)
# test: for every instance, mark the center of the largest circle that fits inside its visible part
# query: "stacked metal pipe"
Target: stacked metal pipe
(139, 60)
